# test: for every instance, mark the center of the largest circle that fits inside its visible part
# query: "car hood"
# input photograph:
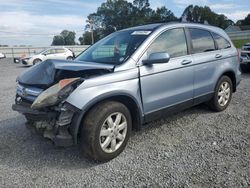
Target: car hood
(49, 72)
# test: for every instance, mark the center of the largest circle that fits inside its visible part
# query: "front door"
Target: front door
(171, 83)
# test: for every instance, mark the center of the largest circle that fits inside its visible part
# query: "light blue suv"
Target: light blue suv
(128, 78)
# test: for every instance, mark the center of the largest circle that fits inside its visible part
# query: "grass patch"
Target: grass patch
(240, 43)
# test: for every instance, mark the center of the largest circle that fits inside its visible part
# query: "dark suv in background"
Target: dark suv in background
(245, 57)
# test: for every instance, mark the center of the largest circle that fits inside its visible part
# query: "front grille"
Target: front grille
(27, 92)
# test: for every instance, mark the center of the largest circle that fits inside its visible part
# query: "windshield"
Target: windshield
(115, 48)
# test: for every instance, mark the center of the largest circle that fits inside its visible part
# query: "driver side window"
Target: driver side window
(172, 41)
(48, 52)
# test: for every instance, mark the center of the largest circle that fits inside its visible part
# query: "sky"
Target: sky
(35, 22)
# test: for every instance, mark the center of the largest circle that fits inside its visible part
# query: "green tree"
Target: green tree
(86, 38)
(162, 14)
(58, 40)
(246, 21)
(69, 37)
(141, 12)
(65, 38)
(115, 15)
(198, 14)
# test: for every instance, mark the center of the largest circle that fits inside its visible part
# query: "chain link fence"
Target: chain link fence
(239, 35)
(16, 52)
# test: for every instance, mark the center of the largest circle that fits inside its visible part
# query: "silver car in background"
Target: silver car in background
(130, 77)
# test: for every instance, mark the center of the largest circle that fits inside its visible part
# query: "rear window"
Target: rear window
(202, 40)
(222, 43)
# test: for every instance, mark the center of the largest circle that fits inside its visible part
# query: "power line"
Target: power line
(33, 34)
(20, 33)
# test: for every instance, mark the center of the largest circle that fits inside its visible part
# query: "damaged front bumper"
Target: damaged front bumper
(52, 123)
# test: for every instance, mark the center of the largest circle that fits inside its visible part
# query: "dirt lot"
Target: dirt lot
(194, 148)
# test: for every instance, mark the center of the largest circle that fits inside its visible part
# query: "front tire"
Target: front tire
(105, 131)
(222, 95)
(36, 61)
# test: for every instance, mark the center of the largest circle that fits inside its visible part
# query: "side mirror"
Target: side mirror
(158, 57)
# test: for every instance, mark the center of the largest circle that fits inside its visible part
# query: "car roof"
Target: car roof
(153, 27)
(147, 27)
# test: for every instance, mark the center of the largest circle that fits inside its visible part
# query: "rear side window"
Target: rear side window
(60, 50)
(202, 40)
(222, 43)
(171, 41)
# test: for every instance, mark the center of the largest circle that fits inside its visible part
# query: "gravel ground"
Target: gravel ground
(194, 148)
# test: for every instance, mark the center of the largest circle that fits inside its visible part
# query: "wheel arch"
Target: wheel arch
(33, 62)
(126, 99)
(69, 56)
(232, 76)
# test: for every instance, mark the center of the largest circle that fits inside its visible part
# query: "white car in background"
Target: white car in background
(2, 55)
(51, 53)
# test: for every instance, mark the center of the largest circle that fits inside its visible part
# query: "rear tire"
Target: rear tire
(105, 131)
(69, 58)
(222, 95)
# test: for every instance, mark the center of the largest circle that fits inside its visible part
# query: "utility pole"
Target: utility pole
(91, 24)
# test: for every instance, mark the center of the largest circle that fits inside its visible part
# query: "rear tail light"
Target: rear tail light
(239, 53)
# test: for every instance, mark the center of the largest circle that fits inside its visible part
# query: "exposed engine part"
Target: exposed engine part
(58, 134)
(65, 118)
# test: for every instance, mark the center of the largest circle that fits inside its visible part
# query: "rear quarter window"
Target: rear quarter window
(60, 50)
(51, 51)
(221, 42)
(202, 40)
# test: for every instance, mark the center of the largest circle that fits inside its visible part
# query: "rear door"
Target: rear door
(206, 59)
(60, 53)
(167, 84)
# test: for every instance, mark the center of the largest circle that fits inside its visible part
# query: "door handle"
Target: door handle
(218, 56)
(185, 62)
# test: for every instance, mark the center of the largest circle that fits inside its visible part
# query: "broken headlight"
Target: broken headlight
(55, 93)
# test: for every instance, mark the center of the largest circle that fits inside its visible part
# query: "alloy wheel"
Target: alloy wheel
(224, 93)
(113, 132)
